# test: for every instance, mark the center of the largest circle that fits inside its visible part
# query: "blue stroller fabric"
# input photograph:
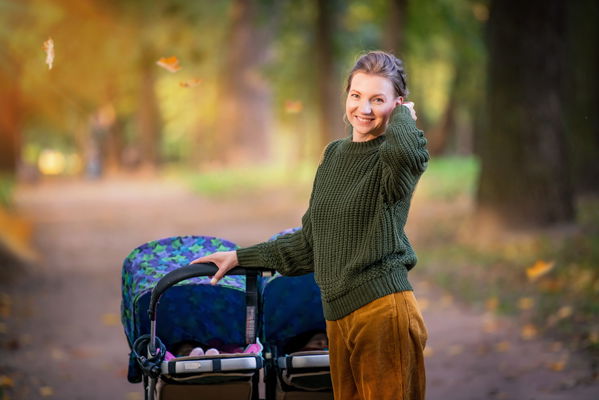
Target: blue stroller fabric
(291, 305)
(214, 314)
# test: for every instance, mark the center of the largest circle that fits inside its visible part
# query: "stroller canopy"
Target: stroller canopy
(191, 310)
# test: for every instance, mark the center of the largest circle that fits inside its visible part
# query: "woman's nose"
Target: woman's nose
(364, 107)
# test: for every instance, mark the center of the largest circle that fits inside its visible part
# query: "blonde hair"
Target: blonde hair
(383, 64)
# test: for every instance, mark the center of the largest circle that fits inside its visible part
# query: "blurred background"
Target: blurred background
(122, 121)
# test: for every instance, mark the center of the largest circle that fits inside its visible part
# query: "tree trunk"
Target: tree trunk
(524, 178)
(245, 116)
(330, 109)
(582, 93)
(395, 27)
(10, 117)
(149, 124)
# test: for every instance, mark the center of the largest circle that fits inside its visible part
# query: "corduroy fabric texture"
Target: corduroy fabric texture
(352, 234)
(376, 352)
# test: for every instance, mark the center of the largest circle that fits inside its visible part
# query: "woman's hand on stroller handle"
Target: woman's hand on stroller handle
(224, 260)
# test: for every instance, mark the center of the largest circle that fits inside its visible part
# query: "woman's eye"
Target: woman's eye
(378, 100)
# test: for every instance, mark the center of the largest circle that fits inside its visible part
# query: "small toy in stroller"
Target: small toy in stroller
(191, 311)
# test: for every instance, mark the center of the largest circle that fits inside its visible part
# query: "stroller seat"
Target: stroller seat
(291, 308)
(191, 310)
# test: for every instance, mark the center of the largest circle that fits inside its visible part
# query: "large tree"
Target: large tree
(525, 176)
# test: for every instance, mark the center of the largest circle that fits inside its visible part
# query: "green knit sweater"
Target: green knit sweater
(352, 234)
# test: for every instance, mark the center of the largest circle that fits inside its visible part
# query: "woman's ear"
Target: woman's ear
(398, 101)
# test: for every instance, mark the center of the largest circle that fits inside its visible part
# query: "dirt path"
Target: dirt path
(60, 331)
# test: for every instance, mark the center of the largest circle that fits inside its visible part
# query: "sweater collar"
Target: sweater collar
(350, 147)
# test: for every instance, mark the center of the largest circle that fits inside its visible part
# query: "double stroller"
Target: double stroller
(258, 322)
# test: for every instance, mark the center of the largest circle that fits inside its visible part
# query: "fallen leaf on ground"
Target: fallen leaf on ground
(526, 303)
(428, 351)
(48, 47)
(5, 305)
(110, 319)
(557, 366)
(190, 83)
(455, 349)
(539, 269)
(134, 396)
(528, 332)
(46, 391)
(492, 303)
(503, 346)
(6, 381)
(171, 64)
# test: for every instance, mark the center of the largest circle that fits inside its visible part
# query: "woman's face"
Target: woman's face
(370, 101)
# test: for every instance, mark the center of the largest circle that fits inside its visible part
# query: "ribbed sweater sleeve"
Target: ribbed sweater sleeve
(403, 154)
(289, 254)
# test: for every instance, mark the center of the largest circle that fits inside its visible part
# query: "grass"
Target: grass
(236, 181)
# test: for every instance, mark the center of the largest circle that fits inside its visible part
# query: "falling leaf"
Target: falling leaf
(526, 303)
(171, 64)
(528, 332)
(110, 319)
(6, 381)
(293, 106)
(503, 346)
(49, 50)
(190, 83)
(539, 269)
(46, 391)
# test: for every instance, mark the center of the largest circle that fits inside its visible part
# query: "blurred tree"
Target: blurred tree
(524, 166)
(328, 79)
(244, 125)
(581, 93)
(395, 26)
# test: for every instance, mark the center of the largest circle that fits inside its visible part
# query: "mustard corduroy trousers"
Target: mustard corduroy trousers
(376, 352)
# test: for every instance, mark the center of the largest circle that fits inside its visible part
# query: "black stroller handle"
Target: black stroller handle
(191, 271)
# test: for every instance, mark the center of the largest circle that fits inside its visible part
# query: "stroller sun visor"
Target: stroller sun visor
(193, 308)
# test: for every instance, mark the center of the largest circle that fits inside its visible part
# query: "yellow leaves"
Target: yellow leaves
(528, 332)
(46, 391)
(191, 83)
(6, 381)
(539, 269)
(110, 319)
(171, 64)
(48, 47)
(503, 346)
(492, 303)
(526, 303)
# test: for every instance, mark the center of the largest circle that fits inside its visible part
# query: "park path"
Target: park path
(60, 332)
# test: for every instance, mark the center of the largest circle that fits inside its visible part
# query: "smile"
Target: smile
(363, 119)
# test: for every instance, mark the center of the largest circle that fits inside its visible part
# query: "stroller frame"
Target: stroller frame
(152, 365)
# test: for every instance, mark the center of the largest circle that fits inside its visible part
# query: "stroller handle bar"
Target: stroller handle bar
(193, 271)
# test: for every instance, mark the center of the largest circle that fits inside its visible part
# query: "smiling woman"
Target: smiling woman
(353, 239)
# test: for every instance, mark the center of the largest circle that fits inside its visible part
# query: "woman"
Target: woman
(353, 239)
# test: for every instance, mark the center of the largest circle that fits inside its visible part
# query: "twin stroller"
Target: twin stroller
(259, 322)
